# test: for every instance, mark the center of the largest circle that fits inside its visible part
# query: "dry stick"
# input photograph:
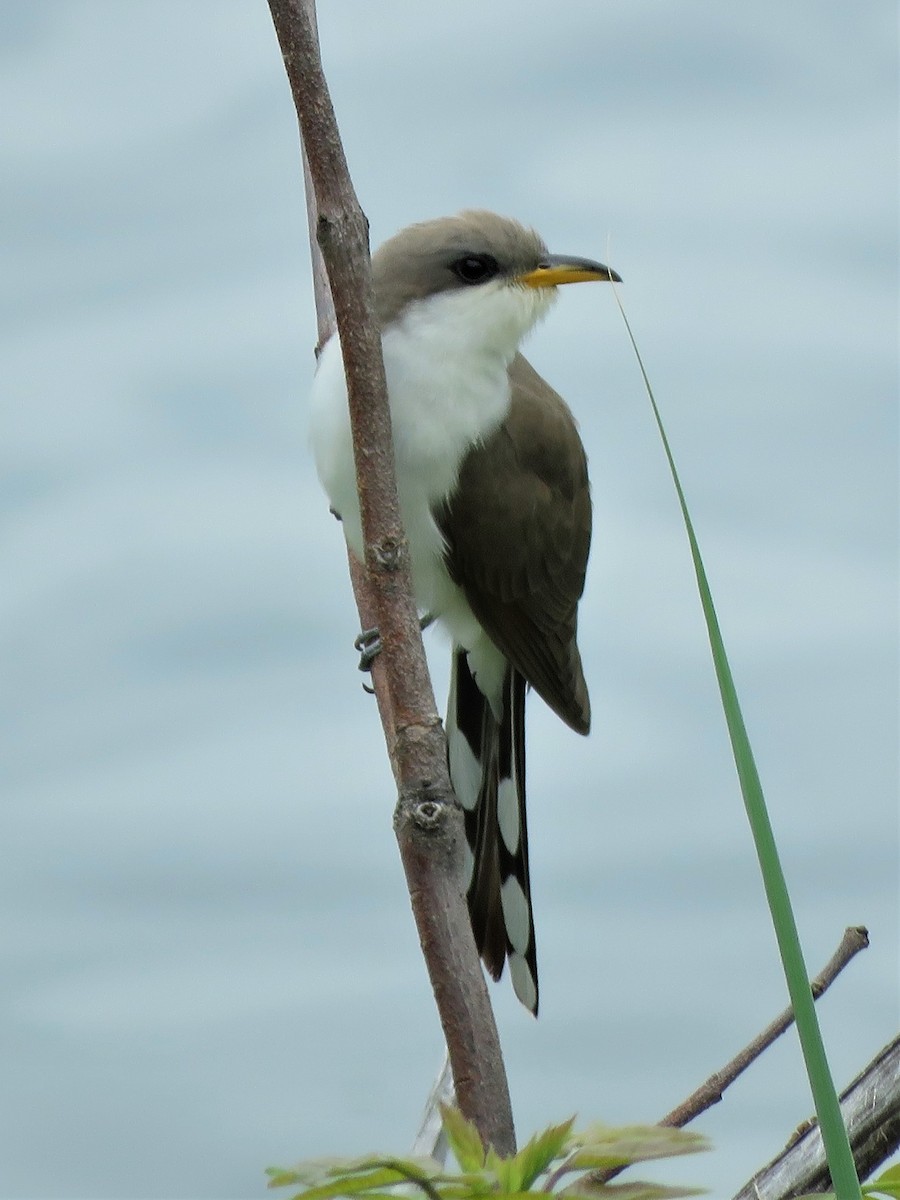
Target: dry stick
(427, 819)
(870, 1107)
(710, 1092)
(855, 938)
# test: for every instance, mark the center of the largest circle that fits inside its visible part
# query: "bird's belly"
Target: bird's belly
(435, 420)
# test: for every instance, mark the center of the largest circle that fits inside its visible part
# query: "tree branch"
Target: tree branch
(710, 1092)
(427, 819)
(871, 1110)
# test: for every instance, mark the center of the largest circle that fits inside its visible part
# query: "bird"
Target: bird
(495, 500)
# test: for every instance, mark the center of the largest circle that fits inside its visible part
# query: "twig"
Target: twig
(871, 1110)
(855, 938)
(427, 820)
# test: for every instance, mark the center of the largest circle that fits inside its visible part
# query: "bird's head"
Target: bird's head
(487, 271)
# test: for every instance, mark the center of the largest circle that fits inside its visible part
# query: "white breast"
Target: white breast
(446, 362)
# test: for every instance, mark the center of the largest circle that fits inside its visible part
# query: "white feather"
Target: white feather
(508, 814)
(468, 867)
(465, 769)
(446, 362)
(515, 914)
(522, 980)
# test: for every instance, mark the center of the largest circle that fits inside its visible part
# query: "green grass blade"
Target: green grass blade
(834, 1134)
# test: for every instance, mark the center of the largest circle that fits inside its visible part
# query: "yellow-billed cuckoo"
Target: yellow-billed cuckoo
(494, 494)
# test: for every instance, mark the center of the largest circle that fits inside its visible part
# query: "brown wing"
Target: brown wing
(518, 531)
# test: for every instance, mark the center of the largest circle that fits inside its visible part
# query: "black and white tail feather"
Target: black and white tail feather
(486, 753)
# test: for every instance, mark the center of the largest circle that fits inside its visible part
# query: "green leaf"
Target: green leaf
(834, 1134)
(462, 1187)
(279, 1177)
(408, 1167)
(506, 1176)
(351, 1185)
(635, 1190)
(311, 1172)
(601, 1146)
(369, 1195)
(517, 1195)
(489, 1175)
(542, 1151)
(324, 1178)
(500, 1195)
(887, 1184)
(463, 1139)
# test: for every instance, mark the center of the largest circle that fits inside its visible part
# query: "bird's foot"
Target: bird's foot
(368, 642)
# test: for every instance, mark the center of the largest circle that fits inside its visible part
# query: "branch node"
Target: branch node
(391, 553)
(348, 223)
(426, 806)
(428, 814)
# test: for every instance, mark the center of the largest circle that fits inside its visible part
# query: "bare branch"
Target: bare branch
(871, 1110)
(710, 1092)
(427, 820)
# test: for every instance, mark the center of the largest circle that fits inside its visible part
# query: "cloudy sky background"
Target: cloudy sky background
(207, 962)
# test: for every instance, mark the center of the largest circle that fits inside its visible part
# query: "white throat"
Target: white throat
(446, 362)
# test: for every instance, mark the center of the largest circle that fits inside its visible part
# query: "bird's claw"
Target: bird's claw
(368, 643)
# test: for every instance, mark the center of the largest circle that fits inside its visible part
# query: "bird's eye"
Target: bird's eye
(475, 268)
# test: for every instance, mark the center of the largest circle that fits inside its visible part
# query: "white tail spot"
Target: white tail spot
(468, 868)
(515, 914)
(523, 981)
(465, 769)
(508, 814)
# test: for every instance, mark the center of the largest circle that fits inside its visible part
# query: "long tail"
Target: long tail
(487, 769)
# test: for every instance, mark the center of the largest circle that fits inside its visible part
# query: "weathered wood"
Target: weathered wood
(871, 1109)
